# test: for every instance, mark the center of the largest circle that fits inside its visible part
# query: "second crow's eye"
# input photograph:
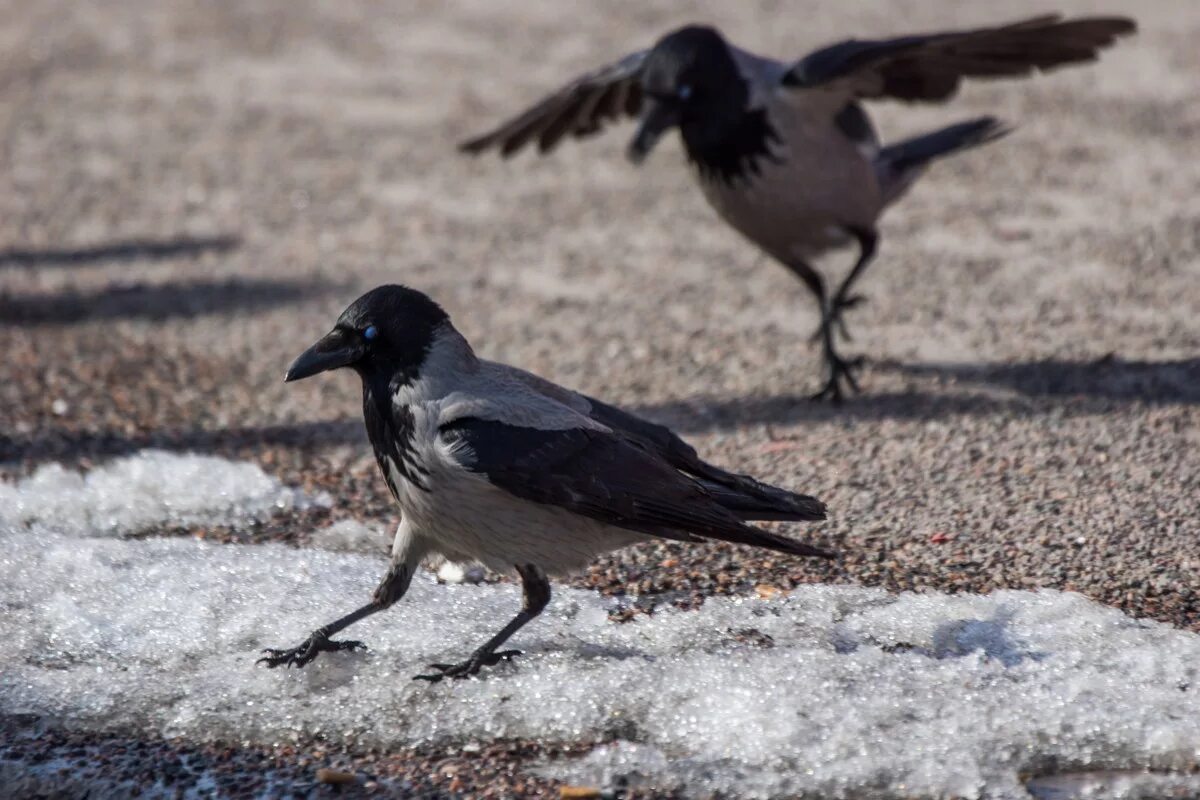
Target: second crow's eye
(370, 333)
(684, 92)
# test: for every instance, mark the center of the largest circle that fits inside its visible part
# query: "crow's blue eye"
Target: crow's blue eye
(684, 92)
(370, 333)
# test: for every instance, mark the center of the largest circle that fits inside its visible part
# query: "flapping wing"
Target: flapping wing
(930, 67)
(598, 475)
(580, 108)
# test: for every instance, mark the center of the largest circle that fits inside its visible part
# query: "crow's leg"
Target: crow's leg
(837, 369)
(390, 589)
(537, 594)
(868, 240)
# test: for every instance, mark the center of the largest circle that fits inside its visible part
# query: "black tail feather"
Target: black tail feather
(757, 537)
(758, 501)
(899, 165)
(917, 152)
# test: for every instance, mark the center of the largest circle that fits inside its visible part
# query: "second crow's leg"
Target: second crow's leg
(868, 240)
(391, 588)
(837, 369)
(537, 594)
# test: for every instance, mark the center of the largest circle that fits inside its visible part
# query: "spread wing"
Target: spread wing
(602, 476)
(930, 67)
(580, 108)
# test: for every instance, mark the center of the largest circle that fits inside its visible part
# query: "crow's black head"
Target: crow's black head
(387, 331)
(691, 81)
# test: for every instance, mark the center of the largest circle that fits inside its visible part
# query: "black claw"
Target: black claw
(840, 370)
(307, 651)
(467, 668)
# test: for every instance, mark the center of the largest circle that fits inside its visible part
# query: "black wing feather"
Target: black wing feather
(930, 67)
(580, 108)
(602, 476)
(749, 498)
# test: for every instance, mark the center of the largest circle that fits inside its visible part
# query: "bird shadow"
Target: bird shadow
(123, 250)
(1074, 387)
(68, 445)
(703, 413)
(1110, 377)
(991, 639)
(190, 298)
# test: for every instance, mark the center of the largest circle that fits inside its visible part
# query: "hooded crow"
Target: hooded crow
(495, 465)
(785, 152)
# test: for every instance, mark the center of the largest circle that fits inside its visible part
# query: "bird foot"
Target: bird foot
(469, 667)
(841, 371)
(318, 642)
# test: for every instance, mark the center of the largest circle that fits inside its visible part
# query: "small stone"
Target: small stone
(579, 793)
(334, 777)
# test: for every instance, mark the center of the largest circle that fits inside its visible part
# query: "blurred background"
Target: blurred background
(191, 192)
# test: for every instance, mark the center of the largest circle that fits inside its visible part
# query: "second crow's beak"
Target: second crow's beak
(657, 118)
(338, 348)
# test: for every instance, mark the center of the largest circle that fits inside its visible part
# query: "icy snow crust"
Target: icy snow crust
(351, 536)
(150, 489)
(862, 693)
(831, 691)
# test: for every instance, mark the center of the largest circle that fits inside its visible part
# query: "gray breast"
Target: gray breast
(816, 183)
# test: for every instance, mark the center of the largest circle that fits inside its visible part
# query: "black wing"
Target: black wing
(747, 497)
(578, 109)
(931, 66)
(602, 476)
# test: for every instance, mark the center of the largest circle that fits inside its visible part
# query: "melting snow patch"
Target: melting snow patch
(351, 536)
(150, 489)
(845, 692)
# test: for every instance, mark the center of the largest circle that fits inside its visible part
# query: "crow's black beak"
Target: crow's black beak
(657, 118)
(338, 348)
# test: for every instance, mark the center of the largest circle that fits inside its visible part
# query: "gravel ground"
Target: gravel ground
(36, 761)
(192, 191)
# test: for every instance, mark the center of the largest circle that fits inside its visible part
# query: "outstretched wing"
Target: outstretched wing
(602, 476)
(930, 67)
(580, 108)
